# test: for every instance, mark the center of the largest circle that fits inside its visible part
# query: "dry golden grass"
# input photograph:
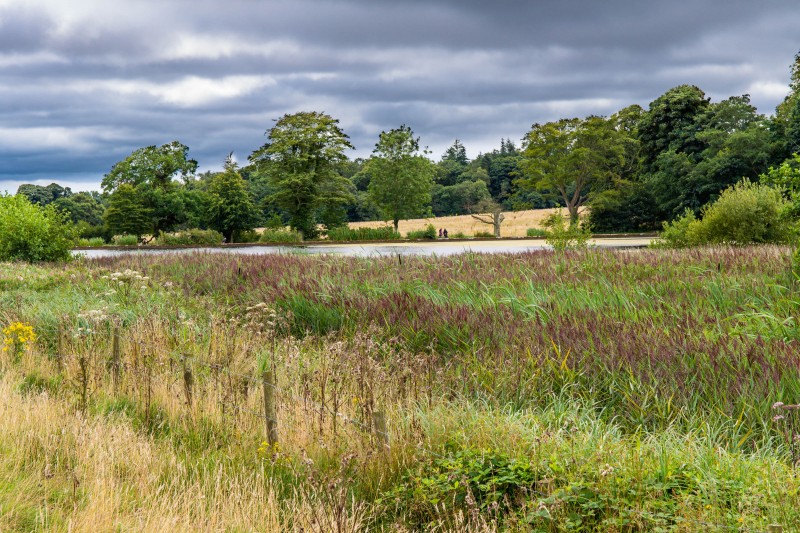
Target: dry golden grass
(516, 223)
(62, 470)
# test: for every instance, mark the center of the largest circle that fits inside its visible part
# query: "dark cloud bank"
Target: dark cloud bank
(84, 83)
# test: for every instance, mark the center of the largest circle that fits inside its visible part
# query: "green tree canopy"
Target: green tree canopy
(127, 212)
(729, 141)
(671, 124)
(502, 168)
(400, 178)
(787, 114)
(82, 207)
(571, 157)
(301, 159)
(458, 199)
(43, 195)
(230, 207)
(155, 166)
(150, 172)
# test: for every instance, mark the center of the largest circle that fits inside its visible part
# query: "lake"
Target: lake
(439, 248)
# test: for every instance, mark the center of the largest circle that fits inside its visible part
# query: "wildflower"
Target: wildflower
(777, 405)
(18, 335)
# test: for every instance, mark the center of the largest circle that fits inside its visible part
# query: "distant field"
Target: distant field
(516, 223)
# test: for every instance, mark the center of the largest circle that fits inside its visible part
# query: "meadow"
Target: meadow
(628, 390)
(515, 224)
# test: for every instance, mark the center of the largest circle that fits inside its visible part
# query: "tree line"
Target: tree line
(635, 169)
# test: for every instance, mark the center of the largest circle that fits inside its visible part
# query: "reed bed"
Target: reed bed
(597, 390)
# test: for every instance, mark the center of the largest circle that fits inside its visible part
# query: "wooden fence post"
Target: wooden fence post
(188, 381)
(270, 414)
(381, 432)
(60, 347)
(115, 359)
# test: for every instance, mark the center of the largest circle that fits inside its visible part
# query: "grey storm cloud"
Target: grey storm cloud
(86, 82)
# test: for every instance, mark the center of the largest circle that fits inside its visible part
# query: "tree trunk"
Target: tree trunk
(396, 224)
(573, 214)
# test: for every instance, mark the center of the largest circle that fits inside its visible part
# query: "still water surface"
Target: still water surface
(367, 250)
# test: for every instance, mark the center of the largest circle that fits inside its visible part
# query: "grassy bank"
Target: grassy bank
(623, 391)
(515, 223)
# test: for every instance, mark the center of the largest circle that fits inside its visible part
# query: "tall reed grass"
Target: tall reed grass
(629, 390)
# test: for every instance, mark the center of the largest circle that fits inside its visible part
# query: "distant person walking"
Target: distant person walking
(445, 233)
(440, 233)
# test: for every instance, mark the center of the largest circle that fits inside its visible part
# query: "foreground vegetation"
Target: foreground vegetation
(581, 391)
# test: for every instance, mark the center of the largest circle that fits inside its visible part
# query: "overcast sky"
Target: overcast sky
(83, 83)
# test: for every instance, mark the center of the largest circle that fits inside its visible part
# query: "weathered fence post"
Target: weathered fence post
(60, 347)
(188, 382)
(381, 431)
(115, 359)
(270, 415)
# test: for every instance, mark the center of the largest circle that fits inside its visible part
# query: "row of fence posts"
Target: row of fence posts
(268, 382)
(269, 387)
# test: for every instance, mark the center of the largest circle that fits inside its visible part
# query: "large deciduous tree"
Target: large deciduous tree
(301, 159)
(570, 158)
(151, 165)
(230, 207)
(400, 178)
(127, 212)
(149, 171)
(671, 124)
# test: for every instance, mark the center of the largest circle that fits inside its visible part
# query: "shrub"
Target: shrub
(249, 235)
(536, 232)
(745, 213)
(487, 479)
(383, 233)
(460, 235)
(428, 233)
(484, 235)
(190, 237)
(93, 242)
(562, 235)
(125, 240)
(281, 236)
(29, 232)
(676, 234)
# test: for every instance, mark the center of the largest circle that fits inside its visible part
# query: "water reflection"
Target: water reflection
(367, 250)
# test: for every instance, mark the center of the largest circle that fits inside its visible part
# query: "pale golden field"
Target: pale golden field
(516, 223)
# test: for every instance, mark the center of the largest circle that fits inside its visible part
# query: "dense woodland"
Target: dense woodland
(636, 170)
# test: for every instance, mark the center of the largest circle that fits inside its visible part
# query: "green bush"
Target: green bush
(745, 213)
(281, 236)
(190, 237)
(383, 233)
(249, 235)
(536, 232)
(428, 233)
(460, 235)
(124, 240)
(482, 235)
(29, 232)
(491, 479)
(562, 235)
